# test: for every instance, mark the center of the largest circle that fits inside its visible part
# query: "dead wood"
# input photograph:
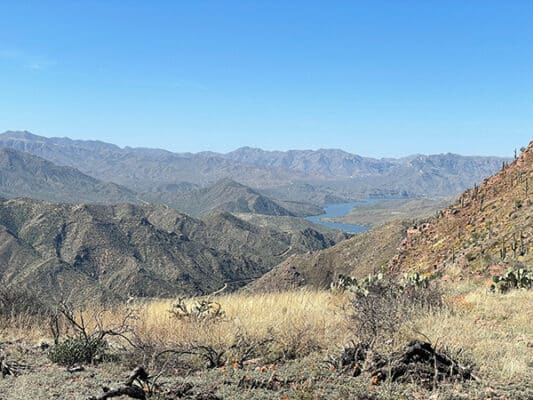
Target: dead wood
(134, 392)
(135, 386)
(418, 362)
(8, 368)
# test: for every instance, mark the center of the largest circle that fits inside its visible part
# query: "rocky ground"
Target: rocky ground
(35, 377)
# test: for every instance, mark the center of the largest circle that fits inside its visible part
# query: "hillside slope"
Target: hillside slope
(490, 225)
(358, 256)
(143, 250)
(25, 175)
(225, 195)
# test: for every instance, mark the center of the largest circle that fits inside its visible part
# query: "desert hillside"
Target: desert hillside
(488, 227)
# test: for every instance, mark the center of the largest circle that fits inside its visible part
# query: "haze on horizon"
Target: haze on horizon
(379, 79)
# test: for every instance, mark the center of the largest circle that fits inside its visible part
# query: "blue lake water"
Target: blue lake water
(338, 210)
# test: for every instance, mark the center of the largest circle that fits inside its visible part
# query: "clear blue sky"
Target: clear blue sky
(378, 78)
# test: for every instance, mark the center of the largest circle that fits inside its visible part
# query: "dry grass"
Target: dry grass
(296, 322)
(494, 331)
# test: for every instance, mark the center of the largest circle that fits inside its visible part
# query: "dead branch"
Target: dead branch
(137, 386)
(134, 392)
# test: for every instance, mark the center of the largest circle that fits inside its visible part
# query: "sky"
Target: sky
(376, 78)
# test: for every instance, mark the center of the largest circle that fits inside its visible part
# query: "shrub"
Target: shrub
(87, 343)
(77, 350)
(385, 306)
(16, 302)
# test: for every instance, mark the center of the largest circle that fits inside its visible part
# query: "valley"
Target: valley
(234, 291)
(266, 200)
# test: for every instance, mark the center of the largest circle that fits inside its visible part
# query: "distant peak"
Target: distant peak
(227, 182)
(21, 135)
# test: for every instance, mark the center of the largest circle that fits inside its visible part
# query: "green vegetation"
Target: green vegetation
(519, 278)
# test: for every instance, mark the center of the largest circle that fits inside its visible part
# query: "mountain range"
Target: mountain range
(107, 222)
(297, 175)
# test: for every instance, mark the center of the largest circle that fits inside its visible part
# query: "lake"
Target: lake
(338, 210)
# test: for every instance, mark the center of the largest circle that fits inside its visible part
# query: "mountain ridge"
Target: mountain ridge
(111, 251)
(26, 175)
(488, 226)
(332, 173)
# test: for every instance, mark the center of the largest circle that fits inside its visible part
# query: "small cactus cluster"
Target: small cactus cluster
(519, 278)
(373, 281)
(351, 284)
(415, 280)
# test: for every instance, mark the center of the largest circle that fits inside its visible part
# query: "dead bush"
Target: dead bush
(19, 302)
(82, 337)
(380, 311)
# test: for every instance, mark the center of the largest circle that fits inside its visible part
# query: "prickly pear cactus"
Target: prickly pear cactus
(519, 278)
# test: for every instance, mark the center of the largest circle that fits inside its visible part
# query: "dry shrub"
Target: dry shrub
(380, 312)
(17, 302)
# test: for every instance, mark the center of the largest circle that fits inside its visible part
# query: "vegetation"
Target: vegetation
(426, 330)
(519, 278)
(261, 344)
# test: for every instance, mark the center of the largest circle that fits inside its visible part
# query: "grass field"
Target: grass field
(296, 330)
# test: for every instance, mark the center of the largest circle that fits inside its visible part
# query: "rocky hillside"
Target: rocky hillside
(25, 175)
(488, 227)
(112, 251)
(225, 195)
(365, 253)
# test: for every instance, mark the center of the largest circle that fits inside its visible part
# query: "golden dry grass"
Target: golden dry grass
(300, 321)
(495, 331)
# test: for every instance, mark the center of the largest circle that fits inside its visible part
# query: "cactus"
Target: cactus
(475, 192)
(415, 280)
(453, 256)
(520, 278)
(351, 284)
(503, 251)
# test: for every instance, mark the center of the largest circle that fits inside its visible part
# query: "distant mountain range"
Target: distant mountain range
(25, 175)
(298, 175)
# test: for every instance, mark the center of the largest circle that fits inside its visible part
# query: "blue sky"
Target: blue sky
(378, 78)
